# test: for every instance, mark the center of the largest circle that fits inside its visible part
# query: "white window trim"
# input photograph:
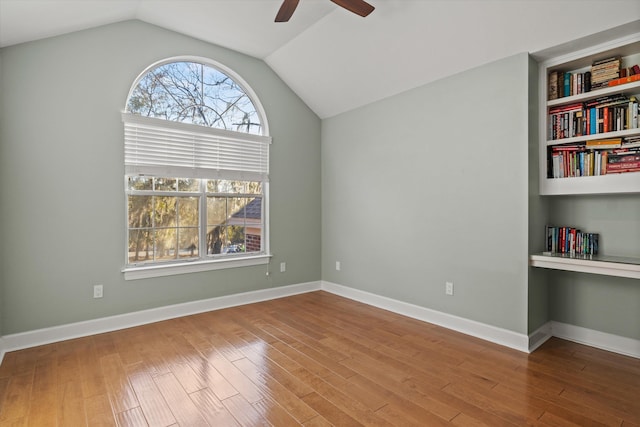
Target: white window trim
(159, 270)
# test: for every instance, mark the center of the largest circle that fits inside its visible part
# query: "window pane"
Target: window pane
(164, 184)
(165, 211)
(188, 242)
(216, 210)
(253, 240)
(140, 246)
(139, 183)
(216, 236)
(235, 239)
(140, 211)
(188, 211)
(166, 244)
(254, 187)
(225, 186)
(188, 184)
(235, 209)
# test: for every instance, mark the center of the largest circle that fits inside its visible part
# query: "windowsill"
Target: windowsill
(147, 271)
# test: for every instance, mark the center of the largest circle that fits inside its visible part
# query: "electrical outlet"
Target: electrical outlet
(337, 265)
(97, 291)
(448, 288)
(283, 267)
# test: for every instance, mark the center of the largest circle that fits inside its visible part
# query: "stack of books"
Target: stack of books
(626, 158)
(604, 71)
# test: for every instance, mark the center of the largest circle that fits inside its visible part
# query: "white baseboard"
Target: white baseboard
(597, 339)
(539, 336)
(113, 323)
(521, 342)
(470, 327)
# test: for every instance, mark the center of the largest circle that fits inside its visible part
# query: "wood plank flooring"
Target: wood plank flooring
(315, 360)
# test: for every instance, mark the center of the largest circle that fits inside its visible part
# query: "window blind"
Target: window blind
(165, 148)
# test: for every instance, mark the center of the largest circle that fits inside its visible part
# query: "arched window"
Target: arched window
(196, 170)
(196, 93)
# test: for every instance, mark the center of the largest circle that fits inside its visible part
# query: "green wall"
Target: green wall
(431, 186)
(63, 205)
(602, 303)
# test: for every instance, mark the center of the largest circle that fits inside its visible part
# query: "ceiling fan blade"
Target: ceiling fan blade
(359, 7)
(286, 10)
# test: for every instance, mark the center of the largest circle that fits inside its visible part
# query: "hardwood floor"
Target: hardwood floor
(315, 360)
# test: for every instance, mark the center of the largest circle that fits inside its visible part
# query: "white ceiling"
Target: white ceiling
(334, 60)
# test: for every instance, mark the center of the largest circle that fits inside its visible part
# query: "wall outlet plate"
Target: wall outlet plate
(448, 288)
(97, 291)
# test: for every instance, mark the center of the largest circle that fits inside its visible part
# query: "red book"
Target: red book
(613, 167)
(564, 108)
(624, 170)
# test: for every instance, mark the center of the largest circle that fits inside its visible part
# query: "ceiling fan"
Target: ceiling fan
(359, 7)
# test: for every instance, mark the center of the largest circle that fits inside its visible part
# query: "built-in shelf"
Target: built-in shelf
(599, 264)
(628, 87)
(578, 63)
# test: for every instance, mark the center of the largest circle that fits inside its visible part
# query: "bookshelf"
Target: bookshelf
(576, 139)
(552, 141)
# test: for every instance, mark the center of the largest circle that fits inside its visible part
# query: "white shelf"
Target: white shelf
(604, 265)
(614, 183)
(587, 96)
(583, 138)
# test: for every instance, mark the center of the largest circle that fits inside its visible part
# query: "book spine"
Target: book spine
(553, 85)
(587, 81)
(567, 84)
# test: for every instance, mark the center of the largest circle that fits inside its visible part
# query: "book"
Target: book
(605, 61)
(593, 121)
(622, 169)
(624, 80)
(553, 85)
(587, 81)
(604, 143)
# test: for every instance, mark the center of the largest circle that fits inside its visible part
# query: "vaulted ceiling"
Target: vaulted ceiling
(334, 60)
